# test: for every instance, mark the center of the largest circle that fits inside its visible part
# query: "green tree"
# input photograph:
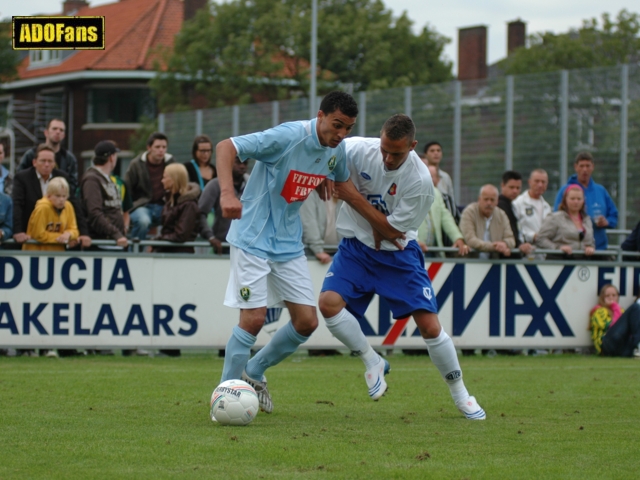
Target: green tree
(8, 57)
(612, 42)
(249, 50)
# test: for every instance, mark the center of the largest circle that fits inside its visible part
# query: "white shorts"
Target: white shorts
(257, 282)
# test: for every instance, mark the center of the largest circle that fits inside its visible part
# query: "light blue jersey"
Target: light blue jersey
(291, 164)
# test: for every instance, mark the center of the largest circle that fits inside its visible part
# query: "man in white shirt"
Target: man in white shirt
(530, 208)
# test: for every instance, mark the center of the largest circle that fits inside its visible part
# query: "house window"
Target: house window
(42, 57)
(120, 105)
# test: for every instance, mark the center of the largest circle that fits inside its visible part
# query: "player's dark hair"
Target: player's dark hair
(156, 136)
(510, 175)
(342, 101)
(197, 141)
(398, 127)
(583, 156)
(431, 144)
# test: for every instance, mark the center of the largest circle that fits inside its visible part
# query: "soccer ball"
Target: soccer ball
(234, 402)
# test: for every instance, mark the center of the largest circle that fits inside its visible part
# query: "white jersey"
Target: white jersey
(530, 214)
(403, 195)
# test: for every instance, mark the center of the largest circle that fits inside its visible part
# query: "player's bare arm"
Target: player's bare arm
(225, 156)
(326, 189)
(347, 192)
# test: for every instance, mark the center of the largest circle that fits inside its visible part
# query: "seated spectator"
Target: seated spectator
(64, 159)
(615, 333)
(486, 228)
(30, 185)
(100, 195)
(319, 225)
(530, 208)
(439, 220)
(210, 200)
(569, 228)
(6, 217)
(6, 179)
(180, 215)
(53, 220)
(510, 187)
(632, 242)
(144, 182)
(200, 168)
(599, 205)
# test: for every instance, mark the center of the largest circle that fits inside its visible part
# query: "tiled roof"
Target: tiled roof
(134, 31)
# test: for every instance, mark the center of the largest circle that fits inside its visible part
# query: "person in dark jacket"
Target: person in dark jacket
(180, 215)
(510, 188)
(65, 160)
(101, 198)
(200, 168)
(29, 187)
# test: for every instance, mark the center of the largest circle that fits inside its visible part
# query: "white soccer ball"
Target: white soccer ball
(234, 402)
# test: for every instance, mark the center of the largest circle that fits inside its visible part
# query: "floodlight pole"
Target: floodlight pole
(314, 58)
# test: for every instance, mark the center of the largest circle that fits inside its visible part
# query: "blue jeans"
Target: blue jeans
(143, 218)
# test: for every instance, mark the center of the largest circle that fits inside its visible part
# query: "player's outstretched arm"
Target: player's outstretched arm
(225, 156)
(347, 192)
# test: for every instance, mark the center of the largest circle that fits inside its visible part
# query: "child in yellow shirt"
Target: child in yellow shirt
(53, 220)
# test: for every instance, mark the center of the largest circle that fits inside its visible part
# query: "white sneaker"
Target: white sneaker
(471, 409)
(266, 405)
(375, 379)
(636, 353)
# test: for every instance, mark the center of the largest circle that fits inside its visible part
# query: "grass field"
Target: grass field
(557, 416)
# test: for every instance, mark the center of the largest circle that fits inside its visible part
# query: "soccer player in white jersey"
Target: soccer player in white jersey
(268, 264)
(386, 199)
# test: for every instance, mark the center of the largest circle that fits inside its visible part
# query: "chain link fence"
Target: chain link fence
(486, 126)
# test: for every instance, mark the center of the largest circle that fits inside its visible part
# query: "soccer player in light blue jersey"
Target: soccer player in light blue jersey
(386, 199)
(268, 264)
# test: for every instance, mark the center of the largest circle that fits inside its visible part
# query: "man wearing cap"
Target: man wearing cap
(100, 196)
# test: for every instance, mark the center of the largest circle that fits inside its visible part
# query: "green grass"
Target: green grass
(559, 416)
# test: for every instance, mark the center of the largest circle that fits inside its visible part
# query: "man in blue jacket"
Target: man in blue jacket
(598, 203)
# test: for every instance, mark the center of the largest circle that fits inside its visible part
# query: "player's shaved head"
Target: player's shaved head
(398, 127)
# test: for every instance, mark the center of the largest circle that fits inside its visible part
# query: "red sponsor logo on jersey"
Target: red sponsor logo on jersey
(299, 185)
(392, 189)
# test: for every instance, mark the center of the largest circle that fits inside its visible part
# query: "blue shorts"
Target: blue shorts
(357, 272)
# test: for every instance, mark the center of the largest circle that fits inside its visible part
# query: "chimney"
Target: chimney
(191, 7)
(516, 35)
(472, 53)
(71, 7)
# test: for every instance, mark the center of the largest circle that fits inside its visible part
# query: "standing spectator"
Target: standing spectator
(30, 185)
(510, 188)
(6, 179)
(615, 333)
(144, 181)
(530, 208)
(180, 214)
(632, 242)
(599, 206)
(433, 156)
(210, 200)
(485, 227)
(570, 227)
(53, 220)
(100, 196)
(65, 160)
(438, 222)
(200, 168)
(6, 217)
(319, 225)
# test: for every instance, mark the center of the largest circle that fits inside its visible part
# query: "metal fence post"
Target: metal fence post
(198, 122)
(407, 101)
(235, 121)
(362, 114)
(624, 132)
(275, 113)
(161, 122)
(457, 139)
(508, 153)
(564, 125)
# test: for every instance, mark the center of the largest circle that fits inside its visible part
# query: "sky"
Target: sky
(446, 17)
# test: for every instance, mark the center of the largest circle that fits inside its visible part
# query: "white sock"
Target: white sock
(444, 357)
(346, 328)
